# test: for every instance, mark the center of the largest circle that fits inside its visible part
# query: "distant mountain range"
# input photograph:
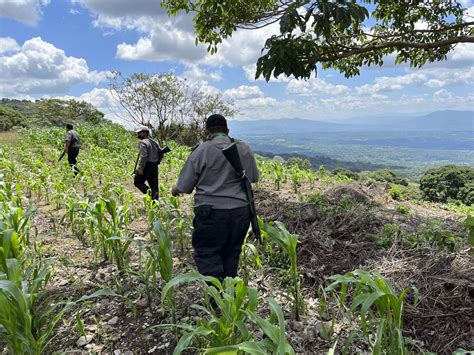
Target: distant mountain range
(436, 121)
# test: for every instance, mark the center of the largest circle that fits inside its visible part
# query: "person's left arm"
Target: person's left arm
(188, 177)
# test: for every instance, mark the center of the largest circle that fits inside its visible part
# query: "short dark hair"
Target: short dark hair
(217, 129)
(216, 120)
(69, 126)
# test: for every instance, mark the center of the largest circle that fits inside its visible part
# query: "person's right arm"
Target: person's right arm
(250, 165)
(67, 141)
(188, 176)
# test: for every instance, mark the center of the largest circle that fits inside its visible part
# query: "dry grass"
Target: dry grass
(8, 137)
(443, 319)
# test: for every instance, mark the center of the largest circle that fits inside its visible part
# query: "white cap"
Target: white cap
(141, 129)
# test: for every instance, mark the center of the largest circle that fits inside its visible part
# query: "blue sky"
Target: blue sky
(67, 48)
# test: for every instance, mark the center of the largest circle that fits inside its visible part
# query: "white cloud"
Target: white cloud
(172, 38)
(243, 48)
(386, 83)
(313, 87)
(244, 92)
(195, 72)
(104, 101)
(26, 11)
(443, 77)
(8, 44)
(122, 8)
(462, 53)
(41, 68)
(435, 83)
(163, 44)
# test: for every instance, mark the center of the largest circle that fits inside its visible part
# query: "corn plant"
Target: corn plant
(10, 192)
(26, 323)
(230, 329)
(181, 225)
(249, 257)
(163, 257)
(379, 306)
(113, 240)
(278, 174)
(296, 176)
(288, 242)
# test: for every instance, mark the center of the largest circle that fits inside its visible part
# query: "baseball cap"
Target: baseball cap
(216, 120)
(141, 129)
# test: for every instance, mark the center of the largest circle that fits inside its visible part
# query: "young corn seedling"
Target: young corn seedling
(249, 257)
(231, 329)
(379, 306)
(165, 257)
(26, 322)
(114, 242)
(181, 225)
(296, 177)
(278, 174)
(288, 242)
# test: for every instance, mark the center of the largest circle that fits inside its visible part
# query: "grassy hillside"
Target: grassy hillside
(109, 251)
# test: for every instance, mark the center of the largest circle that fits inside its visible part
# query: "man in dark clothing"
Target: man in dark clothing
(222, 215)
(147, 170)
(72, 145)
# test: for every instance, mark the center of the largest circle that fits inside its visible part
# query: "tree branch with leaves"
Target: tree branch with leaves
(340, 34)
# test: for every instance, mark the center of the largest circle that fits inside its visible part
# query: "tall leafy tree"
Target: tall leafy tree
(339, 34)
(159, 101)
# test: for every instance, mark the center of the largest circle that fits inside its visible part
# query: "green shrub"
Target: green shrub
(468, 226)
(447, 183)
(10, 118)
(405, 210)
(303, 164)
(386, 236)
(396, 192)
(346, 172)
(318, 199)
(386, 175)
(432, 233)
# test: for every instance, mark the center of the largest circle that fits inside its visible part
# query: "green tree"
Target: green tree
(448, 182)
(386, 175)
(10, 118)
(303, 164)
(81, 111)
(346, 172)
(58, 112)
(150, 100)
(167, 103)
(50, 112)
(342, 34)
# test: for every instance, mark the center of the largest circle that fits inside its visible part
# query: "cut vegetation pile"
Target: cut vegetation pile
(335, 242)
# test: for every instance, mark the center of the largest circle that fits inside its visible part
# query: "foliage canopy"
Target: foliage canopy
(448, 182)
(342, 34)
(46, 112)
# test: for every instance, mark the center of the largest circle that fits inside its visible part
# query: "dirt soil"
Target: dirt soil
(330, 243)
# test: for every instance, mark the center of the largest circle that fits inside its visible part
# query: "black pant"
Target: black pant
(72, 154)
(150, 175)
(217, 240)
